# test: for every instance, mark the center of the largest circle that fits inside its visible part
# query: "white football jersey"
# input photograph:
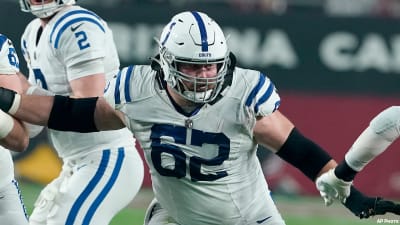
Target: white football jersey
(73, 36)
(8, 65)
(204, 166)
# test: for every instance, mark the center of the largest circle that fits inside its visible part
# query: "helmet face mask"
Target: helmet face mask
(44, 8)
(193, 38)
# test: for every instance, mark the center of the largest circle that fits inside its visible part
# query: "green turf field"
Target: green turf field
(295, 210)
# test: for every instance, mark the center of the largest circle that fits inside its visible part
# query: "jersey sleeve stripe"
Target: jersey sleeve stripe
(255, 90)
(265, 96)
(64, 27)
(127, 82)
(277, 104)
(3, 40)
(110, 183)
(91, 186)
(23, 47)
(59, 21)
(117, 96)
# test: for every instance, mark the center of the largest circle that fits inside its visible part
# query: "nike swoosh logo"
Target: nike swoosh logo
(73, 29)
(263, 220)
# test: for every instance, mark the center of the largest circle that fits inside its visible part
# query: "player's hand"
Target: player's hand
(330, 187)
(363, 206)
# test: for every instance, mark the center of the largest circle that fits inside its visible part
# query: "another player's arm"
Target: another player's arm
(278, 133)
(61, 112)
(13, 134)
(382, 131)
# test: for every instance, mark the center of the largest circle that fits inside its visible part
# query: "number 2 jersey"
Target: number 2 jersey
(55, 54)
(8, 65)
(203, 166)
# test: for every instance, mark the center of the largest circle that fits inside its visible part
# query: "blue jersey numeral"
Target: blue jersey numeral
(39, 78)
(82, 40)
(12, 58)
(198, 138)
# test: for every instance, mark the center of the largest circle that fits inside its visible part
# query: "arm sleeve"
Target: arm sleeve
(382, 131)
(304, 154)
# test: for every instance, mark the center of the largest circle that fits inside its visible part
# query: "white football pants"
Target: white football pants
(91, 189)
(12, 209)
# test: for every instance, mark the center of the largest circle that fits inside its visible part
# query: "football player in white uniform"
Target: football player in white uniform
(12, 135)
(382, 131)
(199, 119)
(70, 51)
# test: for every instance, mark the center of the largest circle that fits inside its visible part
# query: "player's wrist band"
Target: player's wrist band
(9, 100)
(7, 124)
(304, 154)
(344, 171)
(15, 105)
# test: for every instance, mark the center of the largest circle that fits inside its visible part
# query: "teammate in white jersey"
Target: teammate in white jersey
(199, 119)
(12, 135)
(382, 131)
(70, 51)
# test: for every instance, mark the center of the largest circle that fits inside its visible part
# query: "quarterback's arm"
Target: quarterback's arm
(88, 86)
(279, 134)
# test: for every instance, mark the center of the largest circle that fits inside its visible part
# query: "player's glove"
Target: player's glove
(7, 98)
(363, 206)
(331, 187)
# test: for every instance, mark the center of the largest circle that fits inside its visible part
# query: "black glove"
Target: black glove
(363, 206)
(6, 98)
